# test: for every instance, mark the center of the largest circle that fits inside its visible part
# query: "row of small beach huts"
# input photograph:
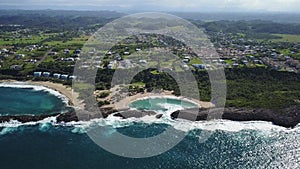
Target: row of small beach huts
(54, 75)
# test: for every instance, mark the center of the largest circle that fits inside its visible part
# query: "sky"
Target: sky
(160, 5)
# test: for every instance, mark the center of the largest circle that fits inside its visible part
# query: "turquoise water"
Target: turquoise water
(24, 101)
(161, 104)
(48, 145)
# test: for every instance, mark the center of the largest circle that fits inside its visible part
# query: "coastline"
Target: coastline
(65, 91)
(124, 103)
(290, 119)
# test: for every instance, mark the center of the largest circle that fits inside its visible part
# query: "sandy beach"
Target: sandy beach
(124, 103)
(120, 105)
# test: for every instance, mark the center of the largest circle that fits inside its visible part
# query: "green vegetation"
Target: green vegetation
(287, 38)
(251, 83)
(262, 88)
(196, 61)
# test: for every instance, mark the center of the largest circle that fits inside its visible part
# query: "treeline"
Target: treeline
(250, 27)
(246, 87)
(66, 13)
(53, 23)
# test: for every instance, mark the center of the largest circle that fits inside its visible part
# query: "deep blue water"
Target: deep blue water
(46, 145)
(59, 148)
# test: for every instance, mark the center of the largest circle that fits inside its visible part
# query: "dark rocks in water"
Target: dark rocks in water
(107, 111)
(70, 115)
(190, 114)
(82, 115)
(25, 118)
(159, 116)
(134, 113)
(79, 115)
(67, 117)
(290, 117)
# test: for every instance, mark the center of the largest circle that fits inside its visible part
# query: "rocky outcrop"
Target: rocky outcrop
(25, 118)
(289, 117)
(134, 113)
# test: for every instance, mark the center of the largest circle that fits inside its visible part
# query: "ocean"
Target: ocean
(49, 145)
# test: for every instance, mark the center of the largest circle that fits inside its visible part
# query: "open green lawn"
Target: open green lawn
(287, 38)
(196, 61)
(75, 42)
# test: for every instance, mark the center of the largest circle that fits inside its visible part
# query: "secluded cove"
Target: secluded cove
(161, 104)
(22, 99)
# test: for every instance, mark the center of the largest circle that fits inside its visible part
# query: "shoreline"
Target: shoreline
(65, 91)
(124, 103)
(289, 120)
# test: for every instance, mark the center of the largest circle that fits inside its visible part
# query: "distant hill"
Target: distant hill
(238, 16)
(66, 13)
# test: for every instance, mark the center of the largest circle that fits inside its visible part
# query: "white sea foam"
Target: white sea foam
(179, 124)
(25, 85)
(168, 97)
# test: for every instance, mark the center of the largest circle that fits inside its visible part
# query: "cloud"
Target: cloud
(170, 5)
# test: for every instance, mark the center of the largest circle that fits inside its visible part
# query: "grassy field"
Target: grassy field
(287, 38)
(6, 41)
(74, 43)
(196, 61)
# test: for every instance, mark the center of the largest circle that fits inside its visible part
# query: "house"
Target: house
(112, 64)
(186, 60)
(69, 59)
(97, 62)
(185, 67)
(4, 50)
(78, 51)
(245, 62)
(235, 65)
(187, 57)
(46, 74)
(16, 67)
(214, 61)
(126, 53)
(37, 74)
(119, 58)
(199, 66)
(234, 59)
(56, 75)
(52, 53)
(66, 51)
(256, 61)
(221, 61)
(64, 77)
(19, 56)
(33, 61)
(72, 77)
(3, 56)
(143, 62)
(252, 57)
(76, 55)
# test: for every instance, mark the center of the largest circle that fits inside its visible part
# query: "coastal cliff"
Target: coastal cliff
(289, 119)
